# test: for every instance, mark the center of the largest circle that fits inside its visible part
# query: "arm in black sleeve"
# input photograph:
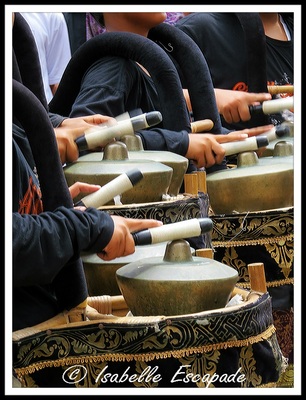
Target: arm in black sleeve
(176, 142)
(165, 140)
(44, 243)
(56, 119)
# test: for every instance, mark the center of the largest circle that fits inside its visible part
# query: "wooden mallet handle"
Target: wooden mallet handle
(203, 125)
(257, 277)
(277, 89)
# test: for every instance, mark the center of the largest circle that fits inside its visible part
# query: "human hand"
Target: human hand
(234, 104)
(122, 242)
(82, 187)
(86, 122)
(238, 135)
(72, 128)
(205, 149)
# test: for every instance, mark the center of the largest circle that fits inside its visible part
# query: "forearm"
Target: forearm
(56, 119)
(165, 140)
(44, 243)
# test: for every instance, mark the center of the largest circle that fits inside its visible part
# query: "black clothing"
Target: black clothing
(114, 85)
(44, 242)
(21, 138)
(76, 24)
(221, 39)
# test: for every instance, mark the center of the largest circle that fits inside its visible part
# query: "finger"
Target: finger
(99, 119)
(137, 224)
(210, 160)
(200, 161)
(259, 97)
(124, 246)
(104, 256)
(257, 130)
(219, 153)
(74, 190)
(244, 112)
(232, 136)
(227, 116)
(82, 187)
(80, 208)
(235, 115)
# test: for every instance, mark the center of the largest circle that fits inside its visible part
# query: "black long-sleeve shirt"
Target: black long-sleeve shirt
(114, 85)
(221, 38)
(45, 242)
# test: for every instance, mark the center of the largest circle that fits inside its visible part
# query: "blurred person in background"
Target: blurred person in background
(246, 53)
(52, 40)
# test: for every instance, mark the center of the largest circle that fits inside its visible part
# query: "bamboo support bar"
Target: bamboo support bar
(107, 304)
(206, 253)
(118, 302)
(257, 277)
(191, 184)
(202, 187)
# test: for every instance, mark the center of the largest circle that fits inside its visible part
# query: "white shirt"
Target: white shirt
(51, 36)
